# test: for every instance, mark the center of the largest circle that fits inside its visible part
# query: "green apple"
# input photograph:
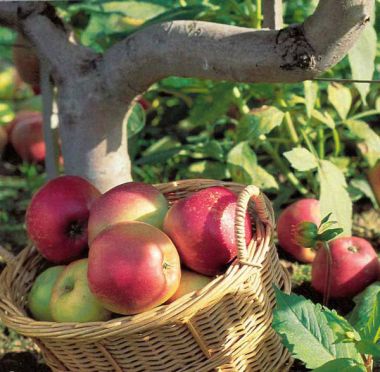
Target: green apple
(40, 294)
(72, 300)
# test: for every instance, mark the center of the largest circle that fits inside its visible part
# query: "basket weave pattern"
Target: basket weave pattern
(225, 326)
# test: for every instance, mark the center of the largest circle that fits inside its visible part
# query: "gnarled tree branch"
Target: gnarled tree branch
(214, 51)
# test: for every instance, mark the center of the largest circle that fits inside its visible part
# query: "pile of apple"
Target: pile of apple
(121, 252)
(354, 263)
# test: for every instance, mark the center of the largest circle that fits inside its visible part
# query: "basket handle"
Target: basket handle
(263, 210)
(6, 255)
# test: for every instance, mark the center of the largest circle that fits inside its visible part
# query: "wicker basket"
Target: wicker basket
(226, 326)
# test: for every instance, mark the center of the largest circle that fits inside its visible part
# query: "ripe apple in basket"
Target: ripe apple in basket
(304, 210)
(40, 294)
(72, 300)
(202, 227)
(190, 282)
(354, 266)
(131, 201)
(133, 267)
(57, 217)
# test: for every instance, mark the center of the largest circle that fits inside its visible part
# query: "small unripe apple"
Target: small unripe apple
(72, 300)
(57, 218)
(131, 201)
(190, 282)
(290, 223)
(202, 227)
(40, 295)
(133, 267)
(26, 61)
(354, 266)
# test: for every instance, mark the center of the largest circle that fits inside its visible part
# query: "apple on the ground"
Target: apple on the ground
(133, 267)
(131, 201)
(304, 210)
(41, 291)
(190, 282)
(57, 218)
(354, 266)
(202, 227)
(72, 300)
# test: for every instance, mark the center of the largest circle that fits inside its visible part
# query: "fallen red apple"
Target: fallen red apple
(133, 267)
(374, 180)
(72, 300)
(28, 140)
(131, 201)
(26, 61)
(190, 282)
(202, 227)
(57, 217)
(354, 266)
(304, 210)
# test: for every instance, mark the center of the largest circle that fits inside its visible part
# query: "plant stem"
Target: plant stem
(327, 285)
(321, 143)
(308, 143)
(336, 142)
(259, 14)
(289, 123)
(283, 167)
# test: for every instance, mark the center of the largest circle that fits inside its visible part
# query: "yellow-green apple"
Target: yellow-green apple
(72, 300)
(289, 221)
(133, 267)
(40, 294)
(26, 61)
(202, 227)
(190, 282)
(57, 218)
(27, 138)
(354, 266)
(3, 139)
(131, 201)
(374, 180)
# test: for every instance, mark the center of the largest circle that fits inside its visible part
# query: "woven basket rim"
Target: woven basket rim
(179, 310)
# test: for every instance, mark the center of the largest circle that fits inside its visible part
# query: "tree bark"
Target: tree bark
(94, 91)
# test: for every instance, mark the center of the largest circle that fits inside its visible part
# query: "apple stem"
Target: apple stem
(327, 286)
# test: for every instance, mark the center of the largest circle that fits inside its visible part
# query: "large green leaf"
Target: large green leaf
(371, 331)
(340, 97)
(305, 331)
(342, 365)
(242, 164)
(258, 122)
(343, 330)
(311, 94)
(334, 197)
(362, 59)
(207, 169)
(135, 120)
(368, 347)
(365, 188)
(301, 159)
(365, 302)
(364, 132)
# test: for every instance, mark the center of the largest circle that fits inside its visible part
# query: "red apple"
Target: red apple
(21, 115)
(374, 180)
(202, 228)
(354, 266)
(28, 140)
(304, 210)
(133, 267)
(26, 61)
(190, 282)
(57, 217)
(131, 201)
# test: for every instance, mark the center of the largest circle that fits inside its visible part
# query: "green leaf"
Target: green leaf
(242, 164)
(342, 365)
(311, 94)
(365, 302)
(364, 132)
(211, 149)
(305, 331)
(362, 59)
(258, 122)
(324, 117)
(207, 169)
(135, 120)
(371, 332)
(334, 196)
(330, 234)
(365, 188)
(343, 330)
(340, 97)
(301, 159)
(368, 347)
(164, 143)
